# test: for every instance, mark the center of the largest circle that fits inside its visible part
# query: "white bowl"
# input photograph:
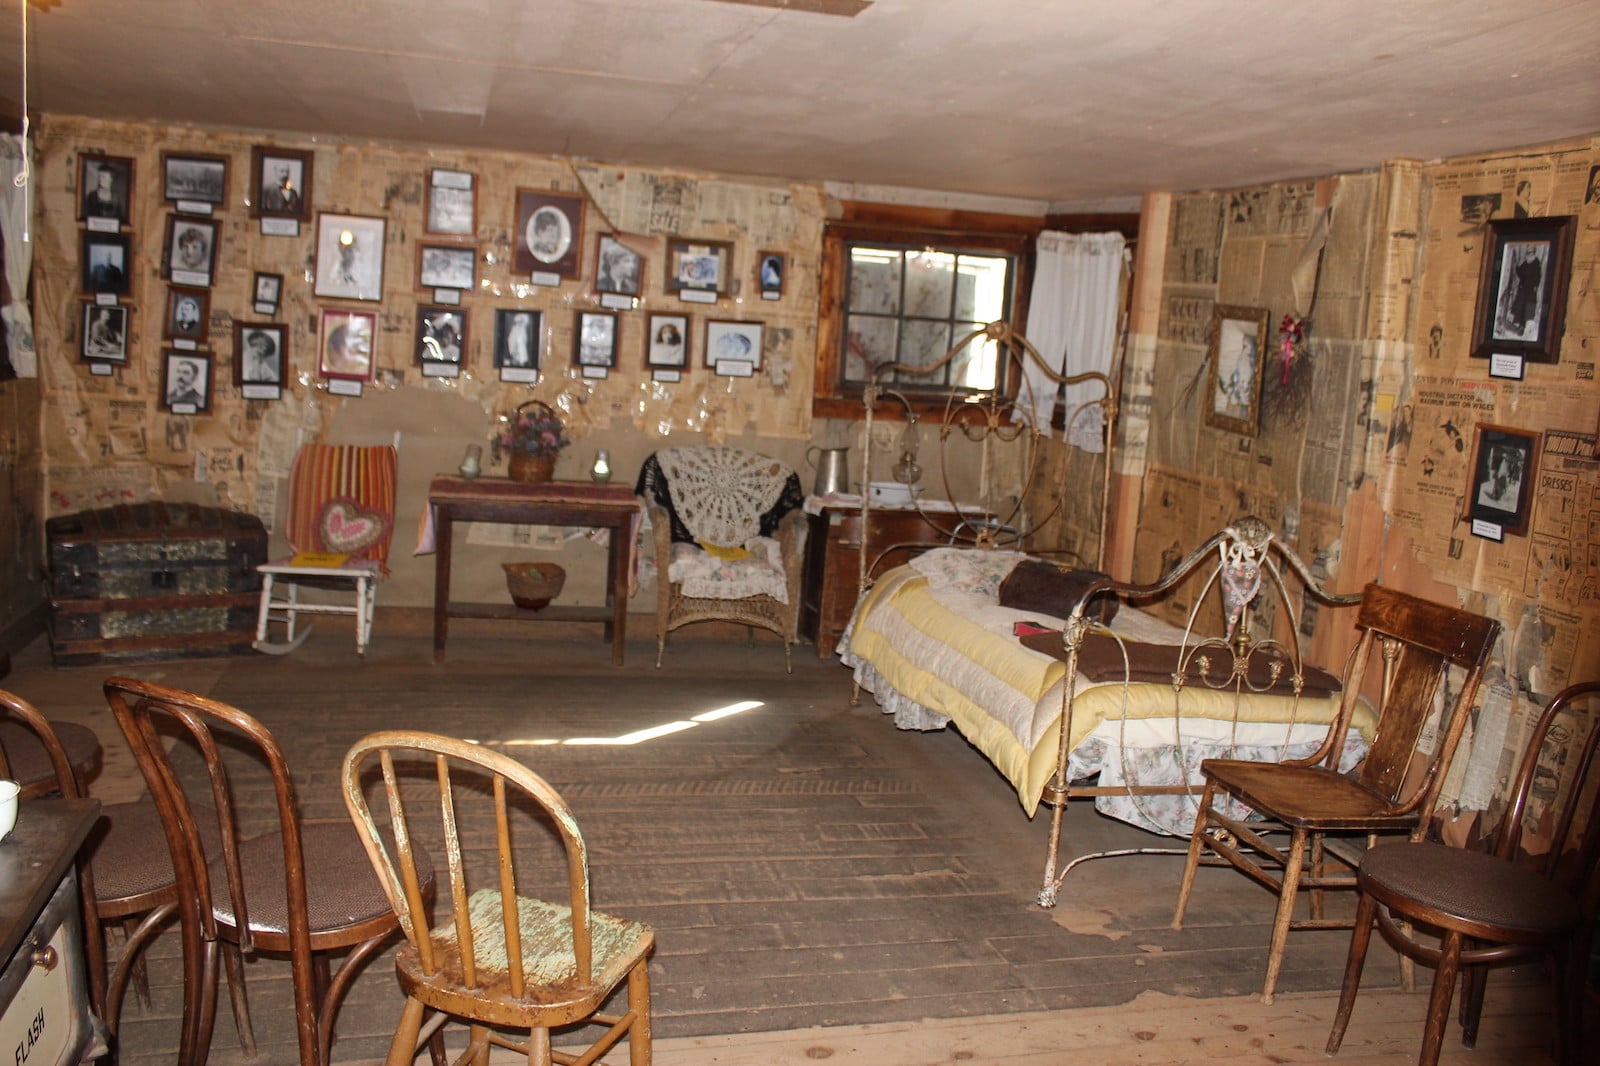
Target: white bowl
(9, 790)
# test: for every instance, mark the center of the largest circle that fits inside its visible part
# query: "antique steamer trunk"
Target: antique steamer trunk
(152, 581)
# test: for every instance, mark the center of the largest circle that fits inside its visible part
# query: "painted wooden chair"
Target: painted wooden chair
(339, 523)
(1393, 790)
(1453, 908)
(301, 889)
(500, 957)
(730, 537)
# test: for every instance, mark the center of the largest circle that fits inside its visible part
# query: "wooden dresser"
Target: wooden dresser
(833, 548)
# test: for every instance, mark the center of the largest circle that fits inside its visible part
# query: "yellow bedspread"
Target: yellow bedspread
(954, 654)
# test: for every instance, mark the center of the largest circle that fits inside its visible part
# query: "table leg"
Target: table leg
(617, 593)
(443, 524)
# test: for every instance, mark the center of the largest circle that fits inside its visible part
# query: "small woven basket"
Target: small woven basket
(534, 585)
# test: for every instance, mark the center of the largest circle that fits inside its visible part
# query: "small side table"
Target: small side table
(547, 503)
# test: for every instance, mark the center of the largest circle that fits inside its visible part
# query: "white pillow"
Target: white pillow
(977, 571)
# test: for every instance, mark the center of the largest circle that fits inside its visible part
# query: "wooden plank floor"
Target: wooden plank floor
(821, 884)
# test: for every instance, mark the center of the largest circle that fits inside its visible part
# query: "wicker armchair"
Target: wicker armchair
(730, 536)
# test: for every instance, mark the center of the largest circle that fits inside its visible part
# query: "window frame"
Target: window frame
(941, 230)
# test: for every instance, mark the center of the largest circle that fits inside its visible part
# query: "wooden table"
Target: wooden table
(549, 503)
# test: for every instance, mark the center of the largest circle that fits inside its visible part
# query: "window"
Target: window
(909, 305)
(901, 295)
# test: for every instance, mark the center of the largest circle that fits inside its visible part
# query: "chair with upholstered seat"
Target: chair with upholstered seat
(730, 537)
(1326, 813)
(339, 522)
(293, 887)
(1453, 907)
(501, 957)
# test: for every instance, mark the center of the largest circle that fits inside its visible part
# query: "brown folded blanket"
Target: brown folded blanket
(1100, 660)
(1043, 587)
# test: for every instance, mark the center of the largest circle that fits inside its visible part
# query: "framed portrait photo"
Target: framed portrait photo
(698, 266)
(188, 314)
(667, 342)
(733, 349)
(770, 269)
(441, 340)
(518, 340)
(594, 340)
(452, 203)
(106, 265)
(266, 292)
(185, 382)
(345, 344)
(1500, 494)
(195, 183)
(549, 234)
(282, 183)
(105, 188)
(104, 336)
(350, 256)
(1233, 374)
(190, 253)
(618, 269)
(1522, 288)
(260, 359)
(447, 266)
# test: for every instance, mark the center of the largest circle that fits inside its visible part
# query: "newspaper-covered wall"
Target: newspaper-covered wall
(108, 437)
(1368, 431)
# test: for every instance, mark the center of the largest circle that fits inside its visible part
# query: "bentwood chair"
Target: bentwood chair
(1453, 908)
(501, 958)
(297, 888)
(1328, 813)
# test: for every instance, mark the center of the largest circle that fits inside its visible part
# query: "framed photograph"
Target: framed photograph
(104, 338)
(594, 339)
(770, 268)
(345, 341)
(194, 179)
(188, 314)
(441, 336)
(185, 382)
(618, 269)
(1522, 288)
(447, 266)
(191, 250)
(452, 203)
(267, 291)
(349, 256)
(733, 347)
(518, 339)
(667, 342)
(1233, 375)
(700, 266)
(282, 179)
(1500, 496)
(260, 358)
(549, 233)
(106, 263)
(105, 187)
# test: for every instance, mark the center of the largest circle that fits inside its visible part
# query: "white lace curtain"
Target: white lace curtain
(1072, 321)
(15, 203)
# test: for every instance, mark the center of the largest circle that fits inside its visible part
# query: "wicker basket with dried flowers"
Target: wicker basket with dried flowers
(533, 436)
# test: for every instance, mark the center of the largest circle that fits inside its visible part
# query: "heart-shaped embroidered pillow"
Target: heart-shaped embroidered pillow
(345, 527)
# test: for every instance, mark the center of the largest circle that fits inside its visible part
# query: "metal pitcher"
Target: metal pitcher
(833, 469)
